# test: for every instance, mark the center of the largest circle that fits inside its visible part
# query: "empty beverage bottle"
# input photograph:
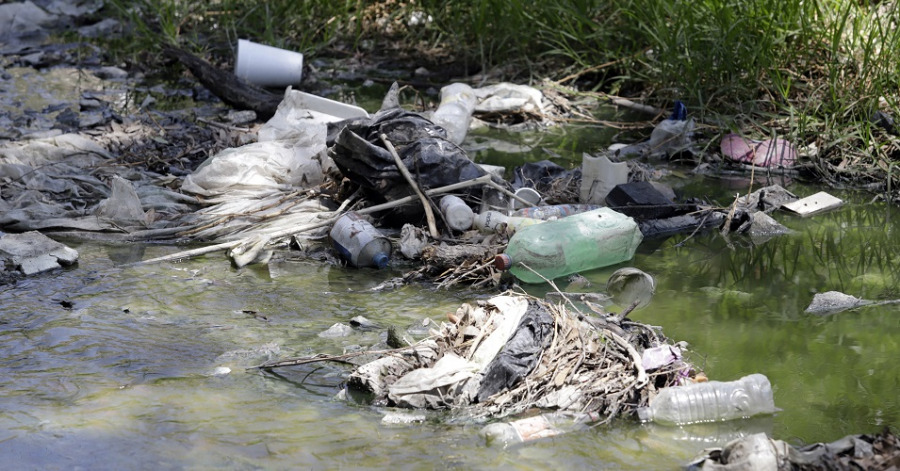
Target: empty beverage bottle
(554, 212)
(494, 221)
(711, 401)
(573, 244)
(455, 111)
(539, 426)
(458, 214)
(359, 242)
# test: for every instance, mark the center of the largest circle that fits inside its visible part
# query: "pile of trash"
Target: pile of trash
(758, 451)
(514, 353)
(510, 353)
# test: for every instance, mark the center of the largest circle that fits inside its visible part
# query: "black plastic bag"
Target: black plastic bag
(433, 161)
(520, 354)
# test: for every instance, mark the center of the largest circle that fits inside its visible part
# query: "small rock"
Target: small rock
(241, 117)
(362, 323)
(107, 73)
(33, 252)
(337, 330)
(101, 28)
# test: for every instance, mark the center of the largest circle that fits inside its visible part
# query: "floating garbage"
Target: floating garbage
(554, 211)
(775, 152)
(814, 204)
(581, 242)
(494, 221)
(642, 201)
(359, 242)
(758, 451)
(457, 213)
(513, 352)
(599, 176)
(711, 401)
(455, 111)
(631, 287)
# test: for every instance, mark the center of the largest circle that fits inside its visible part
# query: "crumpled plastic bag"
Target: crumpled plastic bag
(123, 205)
(423, 148)
(520, 354)
(256, 186)
(430, 387)
(775, 152)
(509, 97)
(294, 160)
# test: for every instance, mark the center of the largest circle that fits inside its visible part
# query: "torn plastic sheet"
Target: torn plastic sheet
(508, 97)
(259, 187)
(259, 168)
(70, 182)
(775, 152)
(430, 387)
(520, 353)
(32, 252)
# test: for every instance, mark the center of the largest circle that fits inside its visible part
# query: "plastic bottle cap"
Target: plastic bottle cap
(502, 262)
(380, 260)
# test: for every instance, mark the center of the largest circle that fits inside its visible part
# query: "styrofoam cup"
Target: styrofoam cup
(268, 66)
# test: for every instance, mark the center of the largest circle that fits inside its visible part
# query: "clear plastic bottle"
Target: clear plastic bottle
(573, 244)
(532, 428)
(458, 214)
(455, 111)
(494, 221)
(711, 401)
(555, 211)
(359, 242)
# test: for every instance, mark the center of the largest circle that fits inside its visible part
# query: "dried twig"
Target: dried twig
(325, 222)
(426, 204)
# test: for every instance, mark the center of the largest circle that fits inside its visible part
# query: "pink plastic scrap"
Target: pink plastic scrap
(658, 357)
(769, 153)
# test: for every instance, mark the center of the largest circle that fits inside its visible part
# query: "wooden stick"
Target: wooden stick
(323, 357)
(429, 214)
(482, 180)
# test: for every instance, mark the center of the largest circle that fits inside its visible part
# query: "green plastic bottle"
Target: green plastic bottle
(573, 244)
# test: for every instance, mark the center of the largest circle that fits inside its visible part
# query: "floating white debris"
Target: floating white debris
(814, 204)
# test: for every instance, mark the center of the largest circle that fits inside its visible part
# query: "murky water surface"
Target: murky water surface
(108, 366)
(127, 376)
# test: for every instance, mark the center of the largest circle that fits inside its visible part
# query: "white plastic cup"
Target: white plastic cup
(528, 194)
(268, 66)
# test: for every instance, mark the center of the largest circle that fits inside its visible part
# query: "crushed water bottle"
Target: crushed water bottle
(455, 111)
(573, 244)
(711, 401)
(359, 242)
(533, 428)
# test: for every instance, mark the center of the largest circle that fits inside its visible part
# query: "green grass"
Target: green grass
(814, 71)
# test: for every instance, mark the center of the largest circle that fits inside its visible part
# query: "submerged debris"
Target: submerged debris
(758, 451)
(514, 352)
